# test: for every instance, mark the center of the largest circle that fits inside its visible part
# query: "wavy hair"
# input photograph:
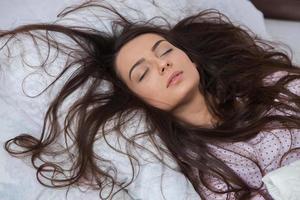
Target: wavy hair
(232, 64)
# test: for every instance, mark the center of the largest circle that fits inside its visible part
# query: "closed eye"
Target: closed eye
(169, 50)
(141, 78)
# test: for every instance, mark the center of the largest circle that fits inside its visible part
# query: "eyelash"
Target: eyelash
(141, 78)
(169, 50)
(143, 75)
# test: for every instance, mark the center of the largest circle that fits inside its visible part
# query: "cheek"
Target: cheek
(156, 95)
(152, 88)
(195, 74)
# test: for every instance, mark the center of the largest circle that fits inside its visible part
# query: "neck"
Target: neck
(196, 112)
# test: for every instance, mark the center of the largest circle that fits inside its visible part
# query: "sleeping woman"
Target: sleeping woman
(220, 108)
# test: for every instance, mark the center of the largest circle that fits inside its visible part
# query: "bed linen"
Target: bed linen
(21, 114)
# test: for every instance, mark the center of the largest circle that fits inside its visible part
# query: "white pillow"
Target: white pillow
(21, 114)
(32, 11)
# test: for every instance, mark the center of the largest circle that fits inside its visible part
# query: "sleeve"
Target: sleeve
(293, 86)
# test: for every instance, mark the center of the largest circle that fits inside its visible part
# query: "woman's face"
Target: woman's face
(146, 63)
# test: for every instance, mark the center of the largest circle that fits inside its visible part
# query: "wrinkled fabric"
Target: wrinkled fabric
(284, 183)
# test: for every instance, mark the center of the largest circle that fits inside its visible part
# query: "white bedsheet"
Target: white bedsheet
(19, 114)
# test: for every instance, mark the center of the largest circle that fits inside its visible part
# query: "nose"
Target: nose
(163, 65)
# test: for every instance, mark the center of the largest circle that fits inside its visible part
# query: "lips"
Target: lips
(173, 75)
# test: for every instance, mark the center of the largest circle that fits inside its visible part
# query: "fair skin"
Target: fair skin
(154, 55)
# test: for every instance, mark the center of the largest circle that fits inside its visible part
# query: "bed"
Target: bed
(19, 113)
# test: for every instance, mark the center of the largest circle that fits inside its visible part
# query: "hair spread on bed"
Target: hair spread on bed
(231, 62)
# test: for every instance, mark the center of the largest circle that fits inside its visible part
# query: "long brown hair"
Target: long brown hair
(232, 64)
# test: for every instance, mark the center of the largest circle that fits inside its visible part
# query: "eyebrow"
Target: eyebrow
(143, 59)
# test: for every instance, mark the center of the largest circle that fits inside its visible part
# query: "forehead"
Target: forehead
(134, 50)
(140, 42)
